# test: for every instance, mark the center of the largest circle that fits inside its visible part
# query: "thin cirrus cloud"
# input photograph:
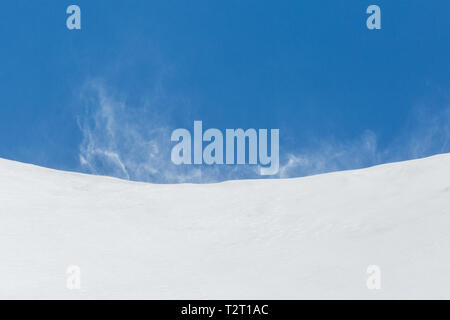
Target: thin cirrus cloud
(332, 156)
(133, 143)
(427, 134)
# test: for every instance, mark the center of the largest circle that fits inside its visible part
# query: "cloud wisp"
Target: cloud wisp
(427, 134)
(133, 142)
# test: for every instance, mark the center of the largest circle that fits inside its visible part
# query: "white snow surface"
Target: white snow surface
(302, 238)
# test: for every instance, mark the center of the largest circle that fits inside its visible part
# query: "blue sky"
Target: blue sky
(342, 96)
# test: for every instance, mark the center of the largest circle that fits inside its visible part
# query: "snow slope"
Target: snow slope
(309, 237)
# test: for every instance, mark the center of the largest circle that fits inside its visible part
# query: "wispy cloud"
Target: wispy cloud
(332, 156)
(115, 142)
(133, 142)
(430, 133)
(427, 134)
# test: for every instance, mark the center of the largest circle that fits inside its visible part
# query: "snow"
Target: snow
(311, 237)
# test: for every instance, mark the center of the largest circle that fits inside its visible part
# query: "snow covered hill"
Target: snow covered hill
(310, 237)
